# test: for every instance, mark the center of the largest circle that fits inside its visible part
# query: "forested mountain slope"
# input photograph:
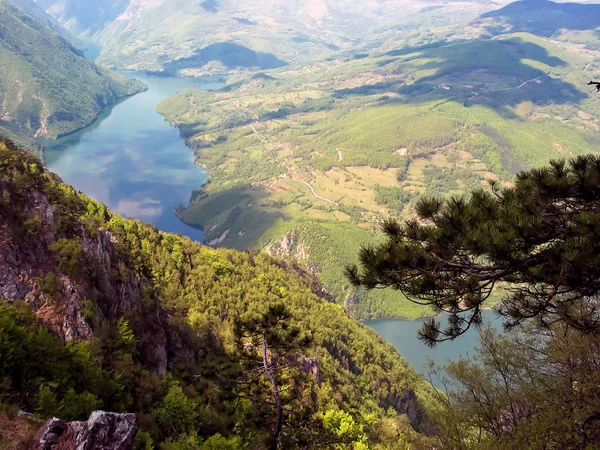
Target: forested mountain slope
(32, 9)
(306, 162)
(110, 313)
(218, 35)
(47, 87)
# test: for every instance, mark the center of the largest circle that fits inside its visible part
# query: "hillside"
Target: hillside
(109, 313)
(574, 23)
(32, 9)
(47, 87)
(209, 36)
(542, 17)
(306, 162)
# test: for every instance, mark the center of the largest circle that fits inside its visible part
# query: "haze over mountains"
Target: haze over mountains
(147, 35)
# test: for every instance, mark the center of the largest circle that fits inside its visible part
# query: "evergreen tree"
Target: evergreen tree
(269, 345)
(539, 241)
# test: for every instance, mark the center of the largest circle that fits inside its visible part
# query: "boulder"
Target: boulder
(102, 431)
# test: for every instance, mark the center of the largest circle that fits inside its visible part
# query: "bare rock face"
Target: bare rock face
(405, 402)
(105, 280)
(102, 431)
(313, 367)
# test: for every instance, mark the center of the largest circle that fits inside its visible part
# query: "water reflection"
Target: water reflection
(132, 160)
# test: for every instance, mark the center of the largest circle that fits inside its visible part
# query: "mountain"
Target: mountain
(47, 87)
(572, 22)
(207, 35)
(306, 162)
(84, 18)
(103, 312)
(33, 10)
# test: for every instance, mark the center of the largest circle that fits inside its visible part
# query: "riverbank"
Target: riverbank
(133, 160)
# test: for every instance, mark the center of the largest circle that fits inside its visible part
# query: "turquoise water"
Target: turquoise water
(134, 161)
(402, 334)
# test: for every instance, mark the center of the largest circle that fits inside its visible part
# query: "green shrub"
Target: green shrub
(69, 255)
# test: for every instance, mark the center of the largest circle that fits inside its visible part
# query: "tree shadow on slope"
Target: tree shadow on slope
(490, 72)
(230, 55)
(541, 17)
(235, 217)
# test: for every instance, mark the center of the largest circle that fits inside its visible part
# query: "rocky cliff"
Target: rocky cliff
(147, 322)
(102, 431)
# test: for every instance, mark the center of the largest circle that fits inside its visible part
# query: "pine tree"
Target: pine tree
(539, 241)
(269, 346)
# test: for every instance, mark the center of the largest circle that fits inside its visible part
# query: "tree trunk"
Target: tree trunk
(274, 441)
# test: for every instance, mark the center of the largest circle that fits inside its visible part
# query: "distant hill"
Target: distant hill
(541, 17)
(179, 35)
(84, 17)
(47, 87)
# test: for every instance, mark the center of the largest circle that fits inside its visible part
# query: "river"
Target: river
(402, 334)
(133, 160)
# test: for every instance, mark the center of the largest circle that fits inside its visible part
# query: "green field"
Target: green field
(370, 136)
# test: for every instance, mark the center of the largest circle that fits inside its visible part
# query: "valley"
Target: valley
(133, 161)
(210, 213)
(306, 163)
(307, 157)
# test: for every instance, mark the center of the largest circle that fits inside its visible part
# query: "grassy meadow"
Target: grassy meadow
(306, 161)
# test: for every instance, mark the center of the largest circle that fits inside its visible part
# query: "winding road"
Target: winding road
(312, 190)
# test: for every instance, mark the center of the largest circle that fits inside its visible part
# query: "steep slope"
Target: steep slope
(574, 23)
(84, 18)
(47, 87)
(33, 10)
(149, 321)
(307, 162)
(151, 35)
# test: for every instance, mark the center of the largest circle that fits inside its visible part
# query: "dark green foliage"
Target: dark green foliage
(539, 240)
(394, 197)
(538, 388)
(270, 350)
(176, 411)
(68, 254)
(402, 169)
(41, 374)
(50, 285)
(198, 297)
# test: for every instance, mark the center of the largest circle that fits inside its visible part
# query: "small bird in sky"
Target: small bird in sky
(595, 83)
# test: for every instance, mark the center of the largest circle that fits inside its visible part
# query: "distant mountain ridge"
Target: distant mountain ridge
(47, 87)
(147, 35)
(541, 17)
(84, 17)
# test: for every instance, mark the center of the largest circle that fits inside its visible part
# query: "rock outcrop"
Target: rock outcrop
(26, 259)
(102, 431)
(405, 402)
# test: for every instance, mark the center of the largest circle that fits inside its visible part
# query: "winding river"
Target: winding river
(133, 160)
